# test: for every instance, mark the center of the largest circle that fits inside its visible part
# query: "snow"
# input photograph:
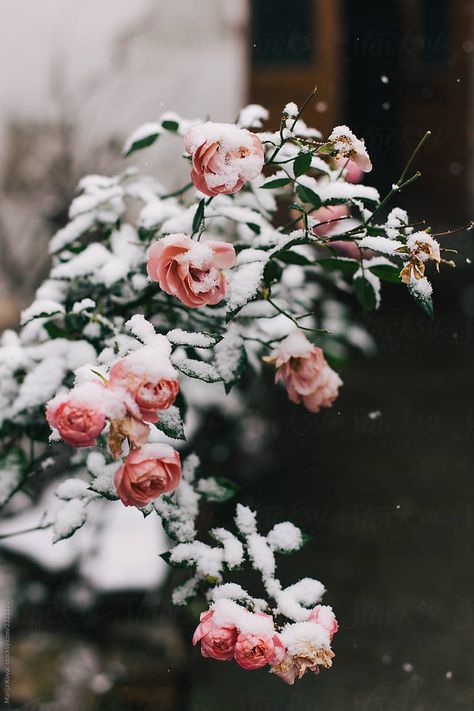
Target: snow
(146, 130)
(71, 232)
(261, 555)
(228, 612)
(178, 337)
(86, 262)
(244, 284)
(285, 537)
(252, 116)
(71, 489)
(71, 516)
(41, 307)
(298, 636)
(245, 520)
(228, 355)
(421, 287)
(233, 548)
(291, 109)
(380, 244)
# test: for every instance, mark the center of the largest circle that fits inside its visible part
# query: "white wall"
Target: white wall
(113, 64)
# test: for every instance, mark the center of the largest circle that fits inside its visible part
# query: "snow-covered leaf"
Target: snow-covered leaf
(217, 488)
(144, 136)
(230, 358)
(421, 291)
(12, 469)
(171, 423)
(179, 337)
(198, 369)
(244, 284)
(69, 518)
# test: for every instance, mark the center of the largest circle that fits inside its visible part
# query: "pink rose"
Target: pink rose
(323, 214)
(79, 422)
(253, 651)
(217, 642)
(305, 372)
(150, 394)
(224, 157)
(148, 472)
(353, 172)
(191, 270)
(324, 616)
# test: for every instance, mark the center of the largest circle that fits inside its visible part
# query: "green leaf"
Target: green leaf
(171, 423)
(340, 264)
(302, 164)
(277, 183)
(326, 149)
(387, 272)
(307, 195)
(255, 228)
(170, 125)
(365, 294)
(290, 257)
(198, 216)
(271, 273)
(142, 143)
(198, 369)
(217, 488)
(53, 330)
(12, 473)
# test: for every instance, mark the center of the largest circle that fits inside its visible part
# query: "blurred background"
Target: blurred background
(383, 482)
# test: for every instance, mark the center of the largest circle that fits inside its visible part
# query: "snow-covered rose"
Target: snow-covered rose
(224, 157)
(78, 416)
(353, 173)
(217, 642)
(421, 247)
(148, 472)
(305, 372)
(150, 391)
(323, 615)
(190, 270)
(347, 145)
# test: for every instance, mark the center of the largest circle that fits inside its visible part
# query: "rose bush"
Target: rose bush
(246, 268)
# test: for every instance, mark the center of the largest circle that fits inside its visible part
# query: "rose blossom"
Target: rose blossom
(224, 157)
(190, 270)
(347, 145)
(294, 666)
(353, 173)
(126, 427)
(147, 472)
(324, 616)
(149, 390)
(78, 416)
(323, 214)
(217, 642)
(254, 650)
(305, 372)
